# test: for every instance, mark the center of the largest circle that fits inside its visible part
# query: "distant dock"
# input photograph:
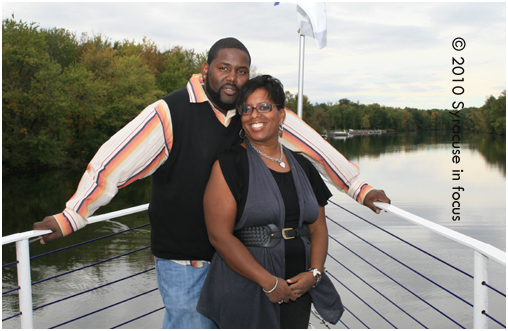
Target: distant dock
(344, 134)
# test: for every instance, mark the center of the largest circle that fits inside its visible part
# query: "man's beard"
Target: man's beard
(215, 96)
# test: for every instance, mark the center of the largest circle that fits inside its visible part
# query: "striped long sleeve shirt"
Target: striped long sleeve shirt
(144, 144)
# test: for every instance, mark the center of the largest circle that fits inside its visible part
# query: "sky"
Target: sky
(396, 54)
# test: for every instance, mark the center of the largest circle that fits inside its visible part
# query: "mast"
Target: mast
(300, 77)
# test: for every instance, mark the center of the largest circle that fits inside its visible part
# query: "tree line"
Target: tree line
(64, 95)
(345, 114)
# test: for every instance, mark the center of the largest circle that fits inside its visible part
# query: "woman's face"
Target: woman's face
(262, 128)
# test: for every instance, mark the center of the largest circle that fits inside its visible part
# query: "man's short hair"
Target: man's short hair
(226, 43)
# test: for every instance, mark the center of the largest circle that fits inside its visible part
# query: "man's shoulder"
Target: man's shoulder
(177, 95)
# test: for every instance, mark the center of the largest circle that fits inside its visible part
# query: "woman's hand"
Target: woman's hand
(301, 284)
(282, 293)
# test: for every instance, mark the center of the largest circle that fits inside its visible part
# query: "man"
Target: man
(177, 139)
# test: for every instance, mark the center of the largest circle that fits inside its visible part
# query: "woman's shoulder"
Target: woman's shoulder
(233, 163)
(302, 160)
(320, 189)
(233, 159)
(233, 153)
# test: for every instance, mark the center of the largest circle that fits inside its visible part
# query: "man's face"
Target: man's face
(225, 76)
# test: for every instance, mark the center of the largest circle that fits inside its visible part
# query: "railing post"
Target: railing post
(24, 283)
(481, 300)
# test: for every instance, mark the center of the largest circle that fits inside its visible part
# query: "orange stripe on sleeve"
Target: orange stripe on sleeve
(65, 226)
(115, 163)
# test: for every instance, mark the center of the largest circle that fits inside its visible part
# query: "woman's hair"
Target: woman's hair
(271, 85)
(225, 43)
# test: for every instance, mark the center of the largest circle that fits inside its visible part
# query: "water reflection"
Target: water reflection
(492, 148)
(416, 172)
(413, 168)
(27, 199)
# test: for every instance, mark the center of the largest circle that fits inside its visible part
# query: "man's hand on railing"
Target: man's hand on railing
(375, 195)
(49, 223)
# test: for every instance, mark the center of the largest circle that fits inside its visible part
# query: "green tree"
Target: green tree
(132, 87)
(335, 114)
(24, 50)
(97, 55)
(478, 119)
(320, 121)
(365, 122)
(408, 121)
(86, 101)
(62, 46)
(24, 56)
(147, 50)
(39, 135)
(291, 101)
(433, 119)
(178, 66)
(352, 117)
(344, 101)
(292, 104)
(373, 114)
(495, 112)
(47, 132)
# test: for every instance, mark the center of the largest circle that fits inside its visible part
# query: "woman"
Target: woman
(262, 277)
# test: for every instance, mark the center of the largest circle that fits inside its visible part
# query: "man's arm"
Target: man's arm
(300, 137)
(134, 152)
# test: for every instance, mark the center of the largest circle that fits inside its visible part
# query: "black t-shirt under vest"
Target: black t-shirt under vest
(176, 204)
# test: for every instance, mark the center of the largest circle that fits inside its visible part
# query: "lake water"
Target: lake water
(417, 173)
(415, 170)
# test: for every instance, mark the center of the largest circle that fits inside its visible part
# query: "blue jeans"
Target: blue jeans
(180, 287)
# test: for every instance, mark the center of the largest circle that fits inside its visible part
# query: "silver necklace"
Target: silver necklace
(279, 161)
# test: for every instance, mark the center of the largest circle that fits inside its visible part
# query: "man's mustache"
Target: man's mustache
(229, 84)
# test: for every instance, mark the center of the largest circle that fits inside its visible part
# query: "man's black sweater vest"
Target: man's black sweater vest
(176, 203)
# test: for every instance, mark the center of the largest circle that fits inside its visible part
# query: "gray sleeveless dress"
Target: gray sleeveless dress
(233, 301)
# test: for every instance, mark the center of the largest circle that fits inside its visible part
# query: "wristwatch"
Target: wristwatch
(317, 275)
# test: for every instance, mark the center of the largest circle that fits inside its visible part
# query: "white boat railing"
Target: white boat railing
(482, 254)
(23, 258)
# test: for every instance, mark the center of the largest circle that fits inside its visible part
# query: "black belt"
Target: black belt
(269, 235)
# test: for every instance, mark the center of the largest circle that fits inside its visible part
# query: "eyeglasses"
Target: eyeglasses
(261, 108)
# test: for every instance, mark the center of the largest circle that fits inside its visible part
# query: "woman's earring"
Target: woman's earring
(241, 134)
(281, 130)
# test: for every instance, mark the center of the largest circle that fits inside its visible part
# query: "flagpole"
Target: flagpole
(300, 77)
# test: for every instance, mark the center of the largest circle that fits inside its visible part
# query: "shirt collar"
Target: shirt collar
(195, 88)
(197, 94)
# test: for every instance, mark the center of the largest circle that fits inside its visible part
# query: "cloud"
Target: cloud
(397, 54)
